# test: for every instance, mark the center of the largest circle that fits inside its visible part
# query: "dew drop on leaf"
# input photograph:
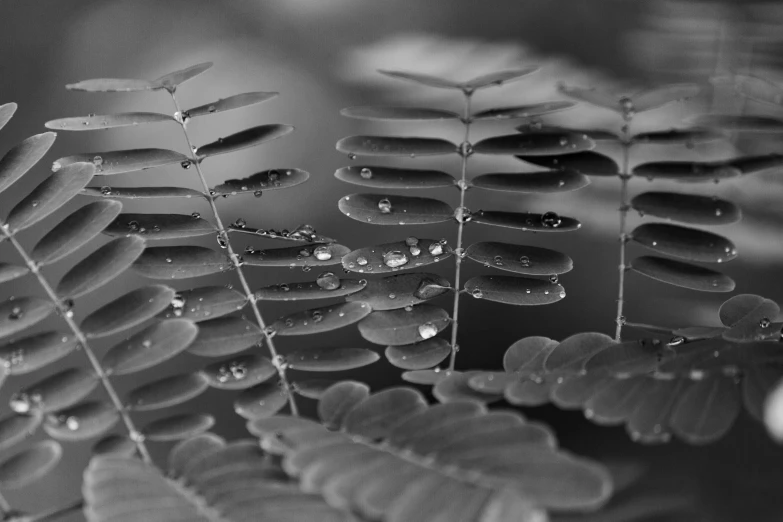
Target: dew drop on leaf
(385, 206)
(185, 164)
(328, 281)
(322, 253)
(395, 259)
(435, 249)
(366, 173)
(428, 330)
(550, 220)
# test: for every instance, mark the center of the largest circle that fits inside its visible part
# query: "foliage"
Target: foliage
(389, 455)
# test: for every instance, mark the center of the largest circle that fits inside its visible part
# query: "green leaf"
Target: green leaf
(75, 231)
(592, 96)
(15, 428)
(100, 267)
(406, 326)
(574, 391)
(527, 355)
(522, 111)
(155, 344)
(54, 192)
(663, 95)
(614, 403)
(395, 146)
(55, 392)
(588, 163)
(327, 286)
(628, 358)
(159, 226)
(113, 85)
(685, 243)
(206, 302)
(29, 465)
(247, 138)
(571, 355)
(534, 127)
(123, 161)
(706, 411)
(180, 262)
(505, 465)
(83, 421)
(378, 209)
(18, 314)
(390, 257)
(7, 111)
(141, 192)
(312, 255)
(323, 319)
(526, 221)
(236, 101)
(10, 272)
(115, 445)
(36, 351)
(418, 356)
(225, 336)
(498, 78)
(166, 392)
(687, 171)
(239, 372)
(106, 121)
(491, 383)
(422, 79)
(687, 137)
(128, 311)
(538, 144)
(748, 317)
(758, 89)
(455, 387)
(741, 123)
(514, 290)
(546, 182)
(401, 290)
(172, 80)
(687, 208)
(261, 401)
(649, 423)
(330, 359)
(178, 427)
(271, 179)
(377, 176)
(312, 388)
(682, 274)
(398, 113)
(338, 400)
(520, 259)
(426, 377)
(22, 157)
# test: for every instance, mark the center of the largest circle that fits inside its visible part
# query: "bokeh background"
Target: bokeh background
(321, 55)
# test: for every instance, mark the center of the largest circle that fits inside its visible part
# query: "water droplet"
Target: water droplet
(764, 322)
(435, 249)
(428, 330)
(553, 279)
(195, 215)
(361, 261)
(21, 403)
(563, 141)
(240, 223)
(718, 212)
(133, 226)
(178, 304)
(462, 214)
(366, 173)
(696, 375)
(72, 423)
(221, 240)
(524, 261)
(351, 156)
(394, 259)
(415, 250)
(465, 149)
(550, 220)
(106, 191)
(56, 166)
(322, 253)
(477, 293)
(328, 281)
(185, 164)
(676, 341)
(258, 193)
(385, 206)
(16, 313)
(498, 260)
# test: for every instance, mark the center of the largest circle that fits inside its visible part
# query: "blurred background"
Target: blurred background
(321, 55)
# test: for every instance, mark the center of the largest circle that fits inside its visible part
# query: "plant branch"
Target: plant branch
(67, 316)
(237, 262)
(624, 208)
(465, 151)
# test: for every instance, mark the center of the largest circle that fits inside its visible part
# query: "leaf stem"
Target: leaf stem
(236, 261)
(67, 316)
(465, 151)
(624, 207)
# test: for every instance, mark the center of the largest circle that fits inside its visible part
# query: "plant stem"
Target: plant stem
(463, 187)
(5, 507)
(235, 260)
(624, 207)
(56, 513)
(65, 313)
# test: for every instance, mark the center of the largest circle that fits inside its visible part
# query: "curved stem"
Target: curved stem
(624, 208)
(67, 316)
(463, 187)
(236, 261)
